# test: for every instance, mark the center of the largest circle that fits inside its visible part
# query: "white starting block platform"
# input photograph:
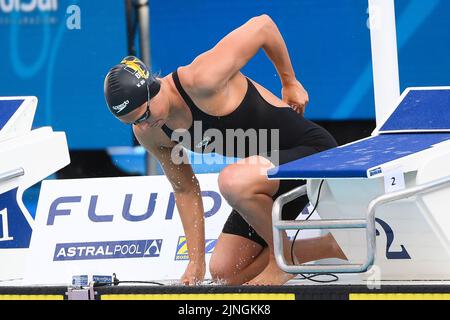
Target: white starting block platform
(27, 157)
(384, 198)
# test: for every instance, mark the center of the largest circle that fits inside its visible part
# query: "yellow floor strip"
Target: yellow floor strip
(202, 296)
(30, 297)
(399, 296)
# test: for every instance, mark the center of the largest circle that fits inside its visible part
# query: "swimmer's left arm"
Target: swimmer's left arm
(214, 68)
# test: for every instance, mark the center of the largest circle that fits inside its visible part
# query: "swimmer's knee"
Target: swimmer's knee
(239, 183)
(231, 185)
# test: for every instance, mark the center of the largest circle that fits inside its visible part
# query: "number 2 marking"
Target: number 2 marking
(393, 181)
(403, 253)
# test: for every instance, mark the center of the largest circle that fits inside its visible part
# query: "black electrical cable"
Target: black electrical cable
(104, 284)
(312, 276)
(116, 282)
(307, 218)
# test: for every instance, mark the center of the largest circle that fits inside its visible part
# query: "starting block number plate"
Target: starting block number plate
(394, 180)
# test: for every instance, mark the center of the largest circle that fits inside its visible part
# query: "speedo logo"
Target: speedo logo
(8, 6)
(120, 107)
(204, 142)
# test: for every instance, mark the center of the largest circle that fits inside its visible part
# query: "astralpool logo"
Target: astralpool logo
(107, 250)
(182, 249)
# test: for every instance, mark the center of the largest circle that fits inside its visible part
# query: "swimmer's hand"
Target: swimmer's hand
(194, 274)
(295, 95)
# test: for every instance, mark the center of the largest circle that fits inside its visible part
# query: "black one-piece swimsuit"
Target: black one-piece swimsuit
(298, 137)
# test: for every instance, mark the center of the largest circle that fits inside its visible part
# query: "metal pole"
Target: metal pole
(129, 14)
(5, 176)
(383, 37)
(143, 13)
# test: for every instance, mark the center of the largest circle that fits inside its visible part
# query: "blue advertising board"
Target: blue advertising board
(328, 41)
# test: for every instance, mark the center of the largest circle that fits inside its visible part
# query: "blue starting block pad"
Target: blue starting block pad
(420, 111)
(7, 109)
(361, 159)
(419, 123)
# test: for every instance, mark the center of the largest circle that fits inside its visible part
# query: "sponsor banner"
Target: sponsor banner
(126, 226)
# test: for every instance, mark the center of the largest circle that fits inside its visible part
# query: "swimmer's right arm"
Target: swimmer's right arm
(215, 67)
(187, 198)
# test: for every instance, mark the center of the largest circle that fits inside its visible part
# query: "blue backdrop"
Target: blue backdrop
(328, 41)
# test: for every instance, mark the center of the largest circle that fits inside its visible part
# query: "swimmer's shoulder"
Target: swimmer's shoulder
(196, 81)
(186, 76)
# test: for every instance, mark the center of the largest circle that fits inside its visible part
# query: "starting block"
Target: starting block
(27, 157)
(384, 198)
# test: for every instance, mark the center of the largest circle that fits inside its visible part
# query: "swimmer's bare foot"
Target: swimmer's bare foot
(272, 275)
(338, 253)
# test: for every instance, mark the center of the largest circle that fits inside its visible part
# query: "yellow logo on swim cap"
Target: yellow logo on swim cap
(137, 66)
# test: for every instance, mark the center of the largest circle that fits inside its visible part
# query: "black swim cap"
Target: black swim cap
(128, 85)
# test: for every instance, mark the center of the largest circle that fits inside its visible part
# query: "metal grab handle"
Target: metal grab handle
(279, 226)
(8, 175)
(394, 196)
(368, 224)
